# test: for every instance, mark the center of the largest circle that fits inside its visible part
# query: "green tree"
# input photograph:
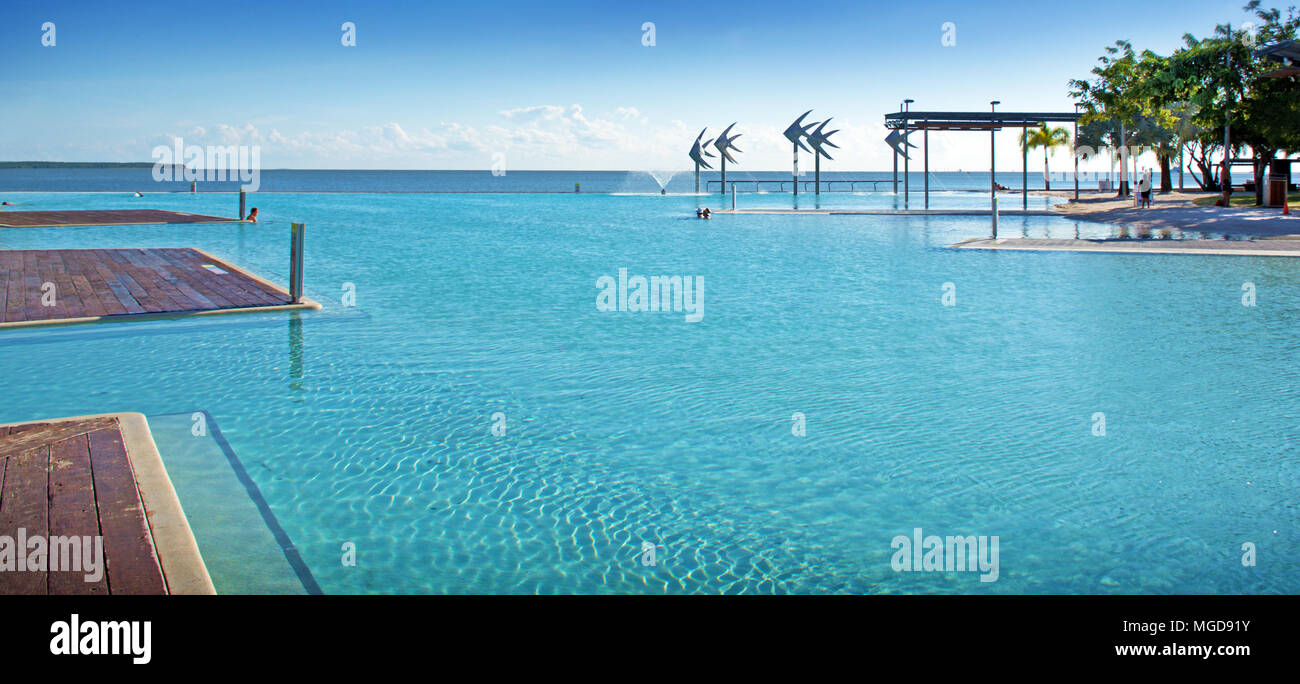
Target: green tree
(1113, 94)
(1211, 75)
(1270, 112)
(1048, 138)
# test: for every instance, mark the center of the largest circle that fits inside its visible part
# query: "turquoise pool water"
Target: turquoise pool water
(373, 425)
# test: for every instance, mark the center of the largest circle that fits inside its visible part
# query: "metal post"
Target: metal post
(1180, 167)
(1024, 170)
(296, 244)
(817, 173)
(1076, 152)
(907, 128)
(926, 166)
(242, 203)
(907, 186)
(995, 218)
(733, 196)
(993, 179)
(723, 188)
(1123, 161)
(697, 178)
(895, 172)
(796, 168)
(1227, 139)
(992, 165)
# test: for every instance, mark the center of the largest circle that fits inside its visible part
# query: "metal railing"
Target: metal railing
(804, 185)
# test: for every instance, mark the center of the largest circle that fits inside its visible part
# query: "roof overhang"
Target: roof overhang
(975, 121)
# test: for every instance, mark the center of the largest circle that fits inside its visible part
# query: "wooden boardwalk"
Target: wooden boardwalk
(1281, 248)
(102, 217)
(78, 479)
(39, 286)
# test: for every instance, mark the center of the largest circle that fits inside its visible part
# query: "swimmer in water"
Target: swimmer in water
(139, 194)
(252, 216)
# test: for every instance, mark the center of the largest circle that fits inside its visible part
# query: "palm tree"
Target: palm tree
(1048, 138)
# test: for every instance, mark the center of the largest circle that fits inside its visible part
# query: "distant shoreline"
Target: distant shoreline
(74, 165)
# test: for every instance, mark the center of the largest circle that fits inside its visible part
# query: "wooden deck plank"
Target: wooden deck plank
(23, 505)
(73, 512)
(24, 437)
(116, 282)
(90, 478)
(103, 217)
(133, 567)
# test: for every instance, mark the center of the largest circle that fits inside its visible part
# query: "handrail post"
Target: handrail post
(242, 200)
(297, 233)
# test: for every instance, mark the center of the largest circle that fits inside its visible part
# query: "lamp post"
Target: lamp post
(993, 134)
(1076, 151)
(907, 187)
(1227, 135)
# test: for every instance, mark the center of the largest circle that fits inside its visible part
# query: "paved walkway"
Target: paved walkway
(1177, 212)
(1283, 248)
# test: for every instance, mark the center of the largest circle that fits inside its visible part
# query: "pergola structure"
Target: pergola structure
(1287, 56)
(991, 121)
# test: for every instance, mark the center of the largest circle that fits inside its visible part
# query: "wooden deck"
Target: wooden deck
(103, 217)
(104, 284)
(1279, 248)
(76, 478)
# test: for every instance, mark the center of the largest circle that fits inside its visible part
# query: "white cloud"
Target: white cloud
(552, 136)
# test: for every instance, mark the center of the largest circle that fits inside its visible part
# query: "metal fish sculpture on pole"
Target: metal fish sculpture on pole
(722, 144)
(820, 141)
(798, 130)
(697, 154)
(899, 142)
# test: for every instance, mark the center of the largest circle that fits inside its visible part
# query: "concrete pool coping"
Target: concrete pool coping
(1269, 248)
(184, 571)
(887, 212)
(305, 303)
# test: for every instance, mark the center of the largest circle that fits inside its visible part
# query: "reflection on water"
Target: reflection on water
(295, 351)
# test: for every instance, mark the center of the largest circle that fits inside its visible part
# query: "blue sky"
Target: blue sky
(540, 85)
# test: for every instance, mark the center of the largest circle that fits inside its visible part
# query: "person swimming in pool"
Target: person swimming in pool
(252, 216)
